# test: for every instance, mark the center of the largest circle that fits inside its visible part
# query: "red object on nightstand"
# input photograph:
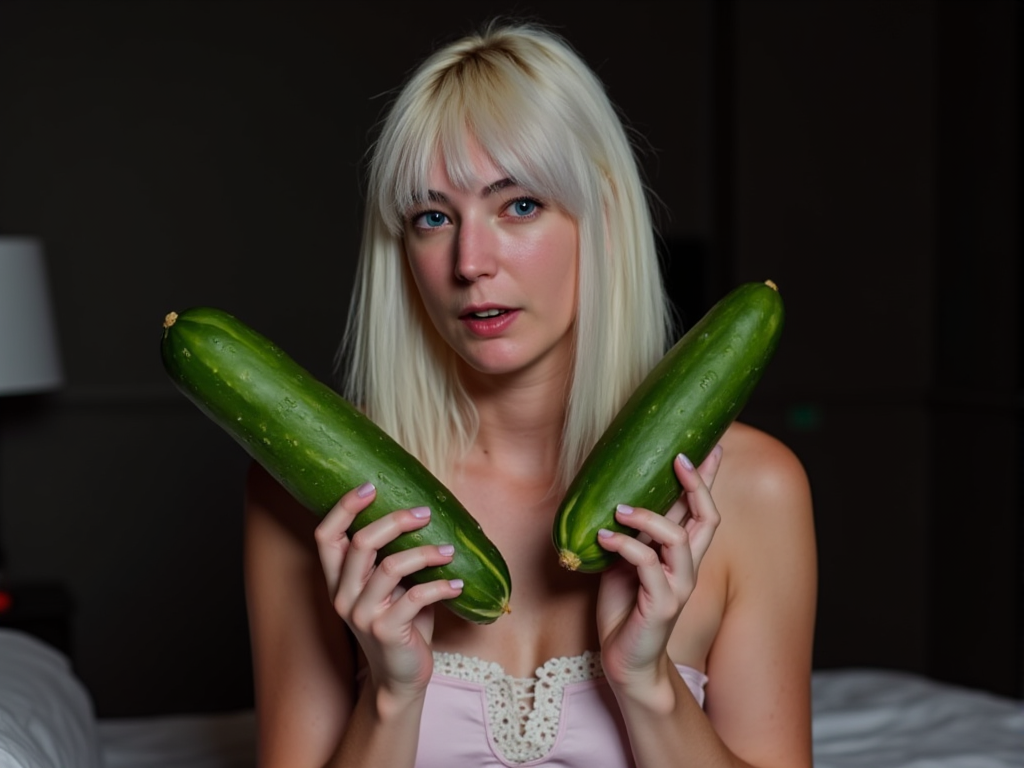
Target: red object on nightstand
(5, 601)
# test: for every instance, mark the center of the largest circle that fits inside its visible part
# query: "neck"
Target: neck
(521, 421)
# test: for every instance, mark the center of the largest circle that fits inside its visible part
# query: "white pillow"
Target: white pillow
(46, 715)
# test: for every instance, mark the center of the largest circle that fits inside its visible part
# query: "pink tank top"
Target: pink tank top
(476, 716)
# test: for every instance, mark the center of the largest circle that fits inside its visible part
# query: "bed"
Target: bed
(863, 718)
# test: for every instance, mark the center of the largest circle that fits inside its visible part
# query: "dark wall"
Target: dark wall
(877, 173)
(862, 154)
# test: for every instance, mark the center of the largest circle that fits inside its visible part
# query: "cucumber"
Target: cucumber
(683, 405)
(318, 446)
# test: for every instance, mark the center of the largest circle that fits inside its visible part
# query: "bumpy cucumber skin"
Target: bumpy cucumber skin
(684, 405)
(318, 446)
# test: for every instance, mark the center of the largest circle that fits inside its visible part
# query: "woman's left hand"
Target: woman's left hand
(642, 595)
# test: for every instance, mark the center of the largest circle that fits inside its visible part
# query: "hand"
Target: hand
(393, 625)
(642, 595)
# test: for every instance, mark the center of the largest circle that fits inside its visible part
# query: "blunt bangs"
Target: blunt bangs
(526, 121)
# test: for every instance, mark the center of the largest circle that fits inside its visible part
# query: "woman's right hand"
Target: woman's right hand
(392, 624)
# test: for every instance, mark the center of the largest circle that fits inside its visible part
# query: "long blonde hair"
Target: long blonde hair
(543, 117)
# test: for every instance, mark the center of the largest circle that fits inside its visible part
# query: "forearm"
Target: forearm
(663, 718)
(382, 731)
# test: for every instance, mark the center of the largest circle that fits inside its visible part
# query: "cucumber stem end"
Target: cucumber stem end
(569, 560)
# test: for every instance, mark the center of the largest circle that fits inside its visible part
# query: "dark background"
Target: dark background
(863, 154)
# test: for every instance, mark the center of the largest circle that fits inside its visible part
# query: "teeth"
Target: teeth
(488, 313)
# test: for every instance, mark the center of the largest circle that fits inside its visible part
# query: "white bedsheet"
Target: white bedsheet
(862, 719)
(46, 714)
(881, 719)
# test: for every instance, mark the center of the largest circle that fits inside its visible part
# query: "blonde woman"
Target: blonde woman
(508, 300)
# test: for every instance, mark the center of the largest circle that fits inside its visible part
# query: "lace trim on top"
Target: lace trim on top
(522, 732)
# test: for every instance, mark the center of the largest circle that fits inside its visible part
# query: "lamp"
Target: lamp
(29, 352)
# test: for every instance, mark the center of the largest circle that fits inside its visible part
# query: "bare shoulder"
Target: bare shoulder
(759, 471)
(263, 490)
(764, 496)
(271, 509)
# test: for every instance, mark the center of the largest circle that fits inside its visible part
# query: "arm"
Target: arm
(303, 659)
(758, 698)
(300, 599)
(759, 668)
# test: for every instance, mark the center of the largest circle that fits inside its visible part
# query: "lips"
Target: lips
(488, 321)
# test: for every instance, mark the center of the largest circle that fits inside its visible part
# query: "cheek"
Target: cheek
(428, 279)
(427, 269)
(563, 266)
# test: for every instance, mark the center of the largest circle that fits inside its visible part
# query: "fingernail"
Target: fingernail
(421, 513)
(685, 461)
(365, 490)
(604, 533)
(624, 509)
(446, 549)
(455, 583)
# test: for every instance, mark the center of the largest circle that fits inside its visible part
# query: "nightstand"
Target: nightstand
(41, 609)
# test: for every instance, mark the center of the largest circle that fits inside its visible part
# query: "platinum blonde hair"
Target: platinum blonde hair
(545, 120)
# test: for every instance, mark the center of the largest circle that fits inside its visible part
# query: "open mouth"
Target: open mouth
(489, 322)
(487, 313)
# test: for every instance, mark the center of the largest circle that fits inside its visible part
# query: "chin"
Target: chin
(490, 367)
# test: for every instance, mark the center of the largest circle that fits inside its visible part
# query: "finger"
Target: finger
(702, 514)
(672, 544)
(641, 556)
(393, 624)
(424, 621)
(678, 512)
(330, 535)
(708, 468)
(361, 556)
(382, 588)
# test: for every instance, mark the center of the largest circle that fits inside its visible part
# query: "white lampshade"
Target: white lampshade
(29, 351)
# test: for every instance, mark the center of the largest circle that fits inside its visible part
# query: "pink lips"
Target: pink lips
(487, 327)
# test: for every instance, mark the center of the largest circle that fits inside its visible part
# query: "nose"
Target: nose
(476, 251)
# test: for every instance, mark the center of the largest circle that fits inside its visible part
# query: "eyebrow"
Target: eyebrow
(439, 197)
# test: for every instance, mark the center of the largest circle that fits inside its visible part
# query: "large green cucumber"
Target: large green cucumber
(318, 446)
(684, 405)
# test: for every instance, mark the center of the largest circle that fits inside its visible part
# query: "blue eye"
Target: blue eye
(523, 207)
(431, 219)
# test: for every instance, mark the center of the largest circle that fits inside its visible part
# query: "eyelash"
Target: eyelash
(525, 199)
(415, 217)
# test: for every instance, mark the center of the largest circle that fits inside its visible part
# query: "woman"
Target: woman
(508, 301)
